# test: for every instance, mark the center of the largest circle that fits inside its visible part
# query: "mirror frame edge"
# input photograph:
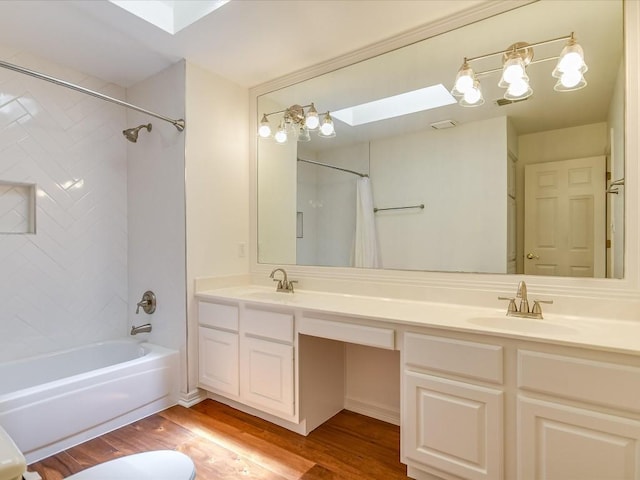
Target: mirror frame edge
(627, 288)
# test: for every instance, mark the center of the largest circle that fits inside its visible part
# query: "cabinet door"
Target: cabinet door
(560, 442)
(218, 362)
(267, 376)
(454, 427)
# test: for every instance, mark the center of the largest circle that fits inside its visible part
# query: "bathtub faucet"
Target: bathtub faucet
(141, 329)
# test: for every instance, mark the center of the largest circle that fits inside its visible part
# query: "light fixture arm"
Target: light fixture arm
(286, 110)
(530, 45)
(533, 62)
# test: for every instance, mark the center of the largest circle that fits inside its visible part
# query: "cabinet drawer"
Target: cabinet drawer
(218, 315)
(599, 383)
(263, 323)
(477, 361)
(348, 332)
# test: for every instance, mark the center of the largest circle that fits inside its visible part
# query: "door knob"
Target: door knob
(531, 256)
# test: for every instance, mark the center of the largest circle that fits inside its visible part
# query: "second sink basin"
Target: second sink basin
(522, 325)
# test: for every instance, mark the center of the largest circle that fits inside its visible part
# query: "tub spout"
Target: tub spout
(141, 329)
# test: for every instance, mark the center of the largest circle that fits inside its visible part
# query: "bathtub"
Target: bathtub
(52, 402)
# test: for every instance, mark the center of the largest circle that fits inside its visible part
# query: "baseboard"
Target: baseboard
(380, 412)
(299, 428)
(191, 398)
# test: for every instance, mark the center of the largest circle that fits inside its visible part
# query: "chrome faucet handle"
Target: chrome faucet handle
(512, 304)
(537, 309)
(291, 282)
(148, 303)
(143, 304)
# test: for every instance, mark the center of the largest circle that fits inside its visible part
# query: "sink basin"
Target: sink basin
(522, 325)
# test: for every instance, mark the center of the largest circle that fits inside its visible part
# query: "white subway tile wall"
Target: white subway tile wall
(67, 284)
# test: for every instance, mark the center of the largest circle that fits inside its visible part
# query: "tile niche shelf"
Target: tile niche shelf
(17, 208)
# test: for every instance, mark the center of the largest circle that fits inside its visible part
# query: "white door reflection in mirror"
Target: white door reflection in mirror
(565, 218)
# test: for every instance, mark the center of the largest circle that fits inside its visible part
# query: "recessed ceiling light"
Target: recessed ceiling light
(403, 104)
(169, 15)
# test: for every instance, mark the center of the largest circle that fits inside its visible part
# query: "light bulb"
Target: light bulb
(570, 78)
(473, 96)
(518, 90)
(265, 129)
(326, 128)
(281, 134)
(312, 121)
(464, 79)
(513, 70)
(571, 59)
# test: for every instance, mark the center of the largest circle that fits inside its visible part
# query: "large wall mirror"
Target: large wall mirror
(527, 186)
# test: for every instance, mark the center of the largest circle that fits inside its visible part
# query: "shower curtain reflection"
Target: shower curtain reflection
(327, 198)
(366, 252)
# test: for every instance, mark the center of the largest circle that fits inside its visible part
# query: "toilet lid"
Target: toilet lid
(155, 465)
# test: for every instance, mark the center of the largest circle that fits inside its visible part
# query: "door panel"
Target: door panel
(565, 218)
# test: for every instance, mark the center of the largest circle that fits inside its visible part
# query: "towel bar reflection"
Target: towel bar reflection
(421, 207)
(615, 184)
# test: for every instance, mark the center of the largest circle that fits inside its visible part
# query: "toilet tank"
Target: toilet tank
(12, 462)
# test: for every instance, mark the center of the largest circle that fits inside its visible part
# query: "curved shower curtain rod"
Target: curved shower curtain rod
(179, 124)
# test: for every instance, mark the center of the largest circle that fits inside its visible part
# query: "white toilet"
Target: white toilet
(154, 465)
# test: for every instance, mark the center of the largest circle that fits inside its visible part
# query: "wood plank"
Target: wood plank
(226, 444)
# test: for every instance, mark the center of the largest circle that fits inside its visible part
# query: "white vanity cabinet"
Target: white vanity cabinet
(453, 408)
(218, 348)
(577, 418)
(246, 354)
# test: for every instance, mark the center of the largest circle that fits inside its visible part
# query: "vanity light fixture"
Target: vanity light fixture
(516, 58)
(297, 122)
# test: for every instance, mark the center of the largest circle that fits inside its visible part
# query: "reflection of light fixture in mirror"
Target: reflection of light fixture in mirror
(297, 122)
(467, 87)
(464, 80)
(514, 64)
(281, 133)
(570, 68)
(265, 129)
(312, 120)
(303, 134)
(473, 96)
(518, 89)
(569, 71)
(327, 129)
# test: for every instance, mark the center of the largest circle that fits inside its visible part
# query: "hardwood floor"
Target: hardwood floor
(227, 444)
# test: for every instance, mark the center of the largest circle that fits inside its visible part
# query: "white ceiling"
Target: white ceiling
(246, 41)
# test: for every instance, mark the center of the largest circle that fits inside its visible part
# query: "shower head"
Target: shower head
(132, 133)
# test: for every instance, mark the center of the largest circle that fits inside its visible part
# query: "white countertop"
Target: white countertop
(603, 334)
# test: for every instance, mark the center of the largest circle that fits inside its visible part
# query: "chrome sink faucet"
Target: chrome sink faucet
(523, 310)
(284, 285)
(522, 295)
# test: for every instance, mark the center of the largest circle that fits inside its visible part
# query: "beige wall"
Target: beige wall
(217, 187)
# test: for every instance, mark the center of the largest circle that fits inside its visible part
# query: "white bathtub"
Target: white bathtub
(52, 402)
